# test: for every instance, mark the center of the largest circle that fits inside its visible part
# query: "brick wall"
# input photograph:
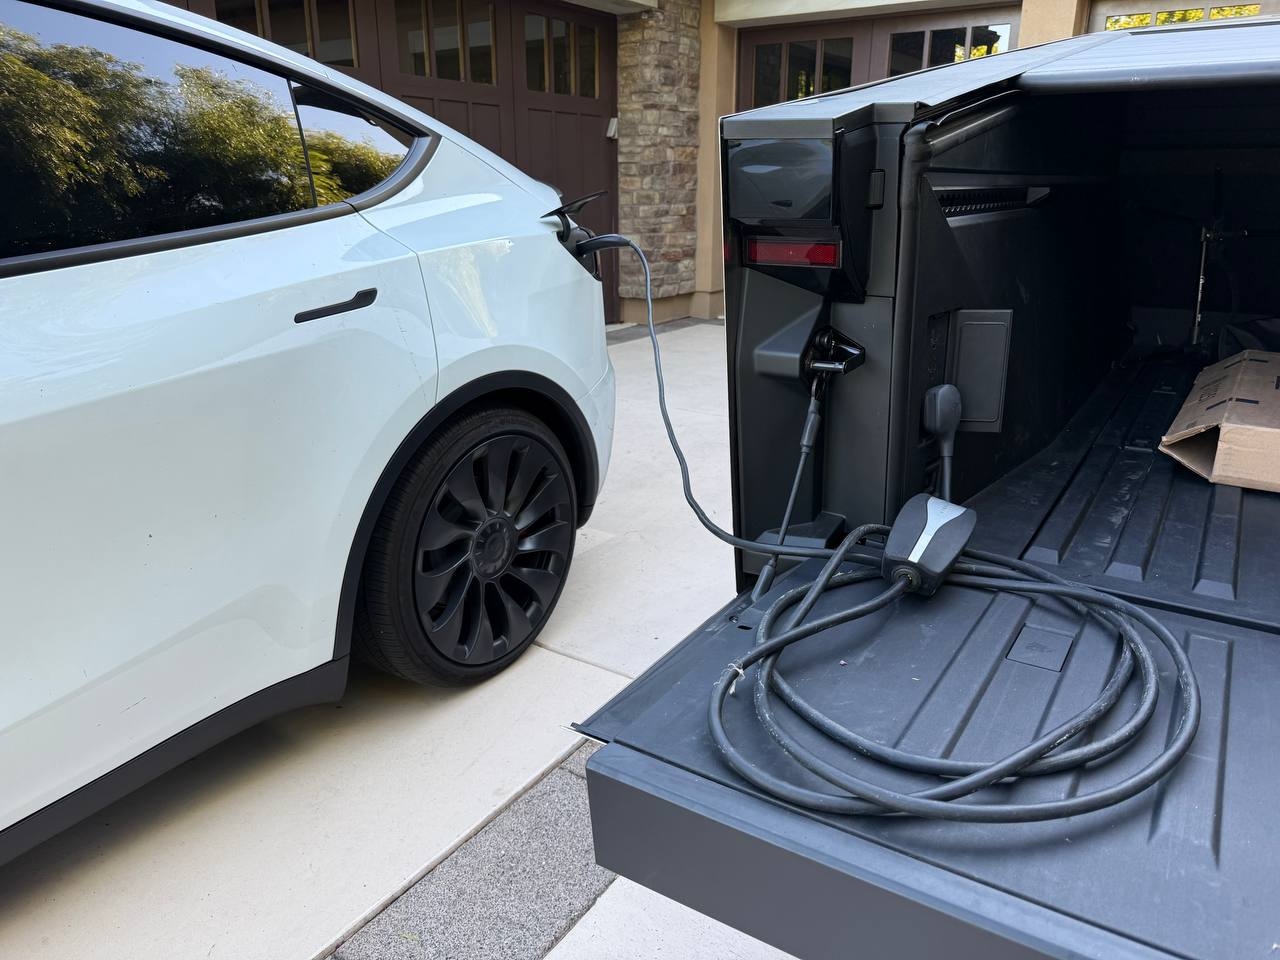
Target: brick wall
(658, 62)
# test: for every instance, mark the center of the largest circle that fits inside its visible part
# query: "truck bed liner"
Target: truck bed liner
(1132, 521)
(1186, 869)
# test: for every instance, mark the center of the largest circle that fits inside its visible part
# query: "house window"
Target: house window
(1112, 15)
(768, 74)
(800, 68)
(987, 41)
(445, 39)
(480, 42)
(560, 57)
(1179, 16)
(946, 45)
(588, 60)
(837, 64)
(1125, 21)
(906, 52)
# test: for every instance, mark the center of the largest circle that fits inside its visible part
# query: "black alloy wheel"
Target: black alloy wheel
(472, 551)
(493, 549)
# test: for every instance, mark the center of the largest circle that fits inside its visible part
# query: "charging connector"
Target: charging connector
(925, 541)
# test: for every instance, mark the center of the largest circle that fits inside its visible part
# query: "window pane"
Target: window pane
(349, 151)
(334, 37)
(289, 25)
(1239, 10)
(946, 46)
(837, 64)
(906, 52)
(241, 14)
(1179, 16)
(989, 40)
(586, 61)
(768, 74)
(802, 68)
(480, 41)
(1125, 21)
(411, 37)
(110, 134)
(535, 51)
(561, 74)
(444, 39)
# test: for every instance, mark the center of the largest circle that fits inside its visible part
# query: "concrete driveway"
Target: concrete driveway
(283, 842)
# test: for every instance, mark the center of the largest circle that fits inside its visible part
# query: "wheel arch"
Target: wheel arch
(543, 398)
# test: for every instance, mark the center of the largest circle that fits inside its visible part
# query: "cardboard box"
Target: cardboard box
(1228, 429)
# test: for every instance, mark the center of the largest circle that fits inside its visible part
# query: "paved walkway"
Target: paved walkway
(285, 842)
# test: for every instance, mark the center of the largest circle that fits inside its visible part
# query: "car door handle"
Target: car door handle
(361, 299)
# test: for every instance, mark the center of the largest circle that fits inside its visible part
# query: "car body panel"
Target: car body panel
(504, 292)
(184, 467)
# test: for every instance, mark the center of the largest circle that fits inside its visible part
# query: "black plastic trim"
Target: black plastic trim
(415, 161)
(323, 684)
(580, 445)
(76, 256)
(362, 299)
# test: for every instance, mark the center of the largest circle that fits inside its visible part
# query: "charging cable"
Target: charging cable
(611, 241)
(787, 621)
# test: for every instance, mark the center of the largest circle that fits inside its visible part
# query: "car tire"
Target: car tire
(470, 552)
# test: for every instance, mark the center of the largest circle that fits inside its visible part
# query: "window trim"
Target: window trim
(415, 160)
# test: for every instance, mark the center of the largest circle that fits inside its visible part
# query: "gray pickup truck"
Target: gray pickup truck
(1067, 233)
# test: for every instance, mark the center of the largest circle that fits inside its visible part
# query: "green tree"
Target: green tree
(94, 149)
(77, 128)
(341, 168)
(230, 150)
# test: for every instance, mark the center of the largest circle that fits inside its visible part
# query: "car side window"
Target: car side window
(349, 150)
(108, 134)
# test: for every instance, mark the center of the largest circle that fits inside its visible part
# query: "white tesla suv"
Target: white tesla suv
(288, 370)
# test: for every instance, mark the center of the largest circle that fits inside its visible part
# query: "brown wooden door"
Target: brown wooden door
(565, 89)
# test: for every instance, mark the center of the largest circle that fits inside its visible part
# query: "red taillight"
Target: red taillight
(794, 253)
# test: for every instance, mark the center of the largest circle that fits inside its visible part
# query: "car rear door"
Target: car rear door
(206, 359)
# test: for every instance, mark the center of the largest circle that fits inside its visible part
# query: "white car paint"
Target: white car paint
(184, 467)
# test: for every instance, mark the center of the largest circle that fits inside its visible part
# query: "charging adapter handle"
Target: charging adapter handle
(605, 241)
(941, 415)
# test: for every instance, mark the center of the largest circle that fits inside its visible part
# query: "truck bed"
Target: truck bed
(1186, 869)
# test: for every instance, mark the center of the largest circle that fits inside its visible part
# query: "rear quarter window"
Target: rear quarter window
(349, 150)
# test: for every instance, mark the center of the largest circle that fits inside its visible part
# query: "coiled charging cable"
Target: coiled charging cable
(786, 623)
